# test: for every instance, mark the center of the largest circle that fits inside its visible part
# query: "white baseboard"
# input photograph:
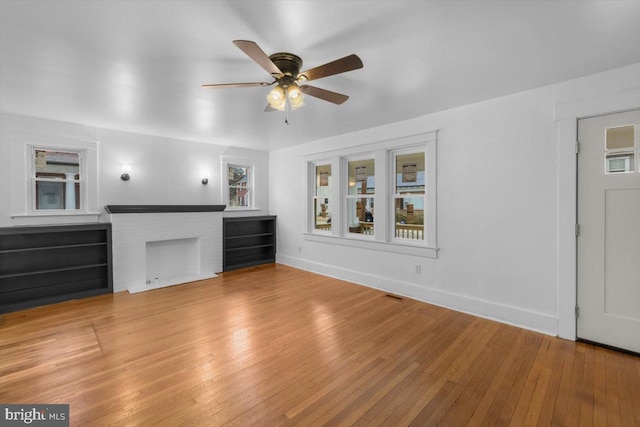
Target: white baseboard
(527, 319)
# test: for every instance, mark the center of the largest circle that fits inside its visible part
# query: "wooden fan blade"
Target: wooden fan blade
(342, 65)
(230, 85)
(326, 95)
(254, 52)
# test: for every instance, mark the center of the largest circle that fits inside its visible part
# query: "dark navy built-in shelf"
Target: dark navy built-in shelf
(120, 209)
(48, 264)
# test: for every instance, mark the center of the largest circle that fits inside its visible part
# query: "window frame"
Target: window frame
(384, 219)
(315, 197)
(345, 160)
(250, 185)
(33, 180)
(393, 195)
(23, 212)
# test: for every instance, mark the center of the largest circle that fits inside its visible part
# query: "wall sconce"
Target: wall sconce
(205, 181)
(205, 177)
(125, 172)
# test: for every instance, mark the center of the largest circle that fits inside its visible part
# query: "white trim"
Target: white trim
(367, 156)
(387, 144)
(33, 179)
(566, 116)
(368, 243)
(394, 195)
(54, 213)
(380, 152)
(224, 181)
(55, 218)
(510, 315)
(23, 197)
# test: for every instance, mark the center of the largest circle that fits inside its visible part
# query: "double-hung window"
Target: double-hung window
(384, 196)
(408, 195)
(321, 198)
(239, 180)
(57, 179)
(360, 195)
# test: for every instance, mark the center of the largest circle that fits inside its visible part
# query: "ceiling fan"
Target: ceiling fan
(285, 67)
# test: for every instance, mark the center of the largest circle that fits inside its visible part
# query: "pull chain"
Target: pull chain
(286, 112)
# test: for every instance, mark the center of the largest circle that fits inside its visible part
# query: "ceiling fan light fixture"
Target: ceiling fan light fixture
(295, 96)
(277, 98)
(289, 91)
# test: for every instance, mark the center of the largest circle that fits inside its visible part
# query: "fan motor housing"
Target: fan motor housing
(288, 63)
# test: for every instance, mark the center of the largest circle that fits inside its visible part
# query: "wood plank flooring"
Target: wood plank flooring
(274, 345)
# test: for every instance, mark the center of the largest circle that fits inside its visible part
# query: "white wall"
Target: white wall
(164, 170)
(498, 206)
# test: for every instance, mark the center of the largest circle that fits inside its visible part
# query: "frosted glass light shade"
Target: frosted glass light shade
(276, 98)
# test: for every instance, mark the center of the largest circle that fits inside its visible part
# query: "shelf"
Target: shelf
(249, 235)
(252, 263)
(44, 248)
(56, 270)
(243, 248)
(249, 241)
(47, 264)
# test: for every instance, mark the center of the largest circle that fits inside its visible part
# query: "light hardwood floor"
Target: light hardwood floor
(279, 346)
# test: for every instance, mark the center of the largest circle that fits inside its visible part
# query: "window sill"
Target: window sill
(58, 217)
(392, 247)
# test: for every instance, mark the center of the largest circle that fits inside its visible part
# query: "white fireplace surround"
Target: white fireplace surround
(158, 249)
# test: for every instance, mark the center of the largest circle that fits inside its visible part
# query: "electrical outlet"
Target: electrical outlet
(418, 269)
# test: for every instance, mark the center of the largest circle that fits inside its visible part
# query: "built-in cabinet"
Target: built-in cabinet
(49, 264)
(249, 241)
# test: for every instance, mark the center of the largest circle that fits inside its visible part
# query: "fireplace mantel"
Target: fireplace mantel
(119, 209)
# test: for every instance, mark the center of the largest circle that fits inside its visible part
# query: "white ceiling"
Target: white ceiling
(138, 65)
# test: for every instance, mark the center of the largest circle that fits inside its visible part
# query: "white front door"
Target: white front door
(609, 230)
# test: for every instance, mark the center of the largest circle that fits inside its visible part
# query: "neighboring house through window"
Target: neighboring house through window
(240, 186)
(57, 179)
(322, 197)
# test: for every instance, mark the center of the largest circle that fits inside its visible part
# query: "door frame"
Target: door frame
(566, 116)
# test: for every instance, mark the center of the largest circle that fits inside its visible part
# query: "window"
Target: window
(360, 197)
(57, 179)
(321, 197)
(385, 198)
(619, 149)
(408, 194)
(240, 186)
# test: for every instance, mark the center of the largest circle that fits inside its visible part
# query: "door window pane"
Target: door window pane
(619, 149)
(617, 163)
(620, 137)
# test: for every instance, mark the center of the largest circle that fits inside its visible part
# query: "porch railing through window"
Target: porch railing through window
(410, 231)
